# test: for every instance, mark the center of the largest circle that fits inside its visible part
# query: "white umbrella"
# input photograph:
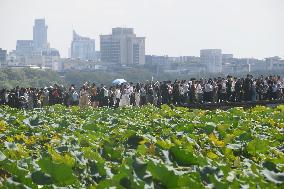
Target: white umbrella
(119, 81)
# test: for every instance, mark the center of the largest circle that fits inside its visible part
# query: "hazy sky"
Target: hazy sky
(246, 28)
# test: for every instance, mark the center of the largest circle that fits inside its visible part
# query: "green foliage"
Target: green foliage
(143, 147)
(184, 157)
(61, 174)
(257, 146)
(41, 178)
(26, 77)
(106, 77)
(10, 78)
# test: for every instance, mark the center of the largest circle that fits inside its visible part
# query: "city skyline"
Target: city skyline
(256, 35)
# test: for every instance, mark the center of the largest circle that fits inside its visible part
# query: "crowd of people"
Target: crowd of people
(179, 92)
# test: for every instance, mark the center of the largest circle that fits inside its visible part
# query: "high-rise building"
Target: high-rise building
(40, 34)
(24, 47)
(212, 60)
(37, 51)
(122, 47)
(98, 56)
(3, 56)
(83, 48)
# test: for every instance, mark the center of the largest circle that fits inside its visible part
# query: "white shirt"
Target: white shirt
(105, 92)
(199, 89)
(233, 85)
(181, 91)
(208, 87)
(185, 88)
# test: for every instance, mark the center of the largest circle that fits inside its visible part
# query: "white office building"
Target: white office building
(25, 48)
(212, 60)
(122, 47)
(83, 48)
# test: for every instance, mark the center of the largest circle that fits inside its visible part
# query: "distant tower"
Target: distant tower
(83, 48)
(40, 34)
(123, 47)
(3, 57)
(212, 60)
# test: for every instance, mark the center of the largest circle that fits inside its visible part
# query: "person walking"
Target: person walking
(94, 96)
(84, 100)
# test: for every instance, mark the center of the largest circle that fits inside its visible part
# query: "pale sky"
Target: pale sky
(246, 28)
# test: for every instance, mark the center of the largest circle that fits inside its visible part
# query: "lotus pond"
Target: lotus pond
(144, 147)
